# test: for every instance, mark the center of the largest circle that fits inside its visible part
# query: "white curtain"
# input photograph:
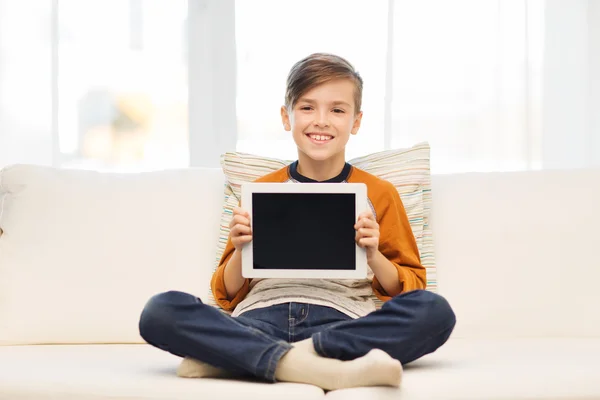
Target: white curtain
(490, 84)
(26, 105)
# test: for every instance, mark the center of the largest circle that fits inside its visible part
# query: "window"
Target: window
(107, 84)
(122, 86)
(464, 76)
(465, 79)
(25, 89)
(272, 35)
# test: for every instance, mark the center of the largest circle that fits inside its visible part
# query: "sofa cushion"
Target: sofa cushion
(83, 251)
(500, 369)
(99, 372)
(407, 169)
(517, 252)
(497, 369)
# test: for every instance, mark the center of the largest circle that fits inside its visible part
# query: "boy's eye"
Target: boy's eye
(305, 108)
(338, 110)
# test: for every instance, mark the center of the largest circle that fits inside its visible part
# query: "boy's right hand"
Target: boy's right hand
(240, 231)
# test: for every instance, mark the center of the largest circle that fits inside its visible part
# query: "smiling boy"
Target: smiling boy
(317, 331)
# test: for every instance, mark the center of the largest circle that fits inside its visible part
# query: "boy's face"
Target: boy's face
(323, 119)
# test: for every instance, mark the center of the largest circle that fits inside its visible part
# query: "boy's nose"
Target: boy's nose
(322, 119)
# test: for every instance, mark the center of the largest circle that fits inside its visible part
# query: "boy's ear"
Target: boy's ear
(356, 124)
(285, 119)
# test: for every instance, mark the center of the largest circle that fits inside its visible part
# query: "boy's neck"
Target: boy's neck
(320, 170)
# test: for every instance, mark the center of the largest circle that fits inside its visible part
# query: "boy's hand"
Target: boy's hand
(240, 231)
(367, 233)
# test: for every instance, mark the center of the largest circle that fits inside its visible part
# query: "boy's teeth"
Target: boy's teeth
(319, 137)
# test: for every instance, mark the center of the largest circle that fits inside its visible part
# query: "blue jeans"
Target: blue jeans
(407, 327)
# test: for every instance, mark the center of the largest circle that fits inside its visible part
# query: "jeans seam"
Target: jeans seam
(334, 325)
(317, 338)
(305, 316)
(256, 331)
(232, 360)
(270, 370)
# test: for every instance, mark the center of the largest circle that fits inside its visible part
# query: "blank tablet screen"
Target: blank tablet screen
(304, 231)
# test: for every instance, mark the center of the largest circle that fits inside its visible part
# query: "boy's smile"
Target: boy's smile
(319, 138)
(321, 122)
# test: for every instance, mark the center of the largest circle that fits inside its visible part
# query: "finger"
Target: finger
(366, 214)
(239, 220)
(240, 230)
(370, 223)
(243, 239)
(365, 218)
(368, 242)
(367, 223)
(368, 232)
(240, 211)
(358, 239)
(361, 223)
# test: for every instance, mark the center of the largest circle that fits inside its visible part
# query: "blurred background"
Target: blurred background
(138, 85)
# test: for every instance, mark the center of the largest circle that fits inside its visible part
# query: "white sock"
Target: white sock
(376, 368)
(192, 368)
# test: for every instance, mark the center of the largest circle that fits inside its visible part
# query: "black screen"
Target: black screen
(304, 231)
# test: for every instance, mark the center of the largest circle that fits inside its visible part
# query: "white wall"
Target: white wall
(571, 91)
(594, 48)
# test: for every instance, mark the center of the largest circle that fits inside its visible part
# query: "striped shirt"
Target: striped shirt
(352, 297)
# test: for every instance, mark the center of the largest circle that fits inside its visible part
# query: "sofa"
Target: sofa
(517, 256)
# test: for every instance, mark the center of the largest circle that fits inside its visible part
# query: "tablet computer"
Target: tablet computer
(304, 230)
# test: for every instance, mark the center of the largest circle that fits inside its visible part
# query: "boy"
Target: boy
(321, 332)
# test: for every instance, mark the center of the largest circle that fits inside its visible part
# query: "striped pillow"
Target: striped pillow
(407, 169)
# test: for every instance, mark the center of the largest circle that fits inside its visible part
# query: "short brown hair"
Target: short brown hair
(319, 68)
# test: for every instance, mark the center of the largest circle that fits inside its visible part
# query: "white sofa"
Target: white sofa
(81, 252)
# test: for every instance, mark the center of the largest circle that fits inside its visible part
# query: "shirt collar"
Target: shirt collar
(342, 177)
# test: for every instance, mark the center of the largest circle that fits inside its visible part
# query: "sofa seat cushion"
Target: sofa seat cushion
(132, 372)
(498, 369)
(465, 369)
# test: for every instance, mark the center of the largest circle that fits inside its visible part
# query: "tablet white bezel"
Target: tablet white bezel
(358, 189)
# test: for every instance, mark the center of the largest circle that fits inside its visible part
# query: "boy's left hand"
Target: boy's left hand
(367, 233)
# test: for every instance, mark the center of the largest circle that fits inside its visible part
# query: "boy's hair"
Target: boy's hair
(319, 68)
